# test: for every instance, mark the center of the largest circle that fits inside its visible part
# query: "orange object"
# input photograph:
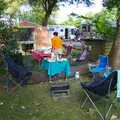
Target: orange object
(56, 43)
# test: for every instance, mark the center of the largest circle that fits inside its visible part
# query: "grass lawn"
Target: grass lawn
(34, 102)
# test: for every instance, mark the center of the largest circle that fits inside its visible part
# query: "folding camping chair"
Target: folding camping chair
(102, 68)
(100, 87)
(83, 56)
(20, 73)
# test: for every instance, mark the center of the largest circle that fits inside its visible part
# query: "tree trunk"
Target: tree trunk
(45, 20)
(115, 51)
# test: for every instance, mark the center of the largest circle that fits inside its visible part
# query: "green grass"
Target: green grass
(3, 71)
(76, 53)
(35, 102)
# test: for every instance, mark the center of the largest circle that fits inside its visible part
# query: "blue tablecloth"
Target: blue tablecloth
(56, 67)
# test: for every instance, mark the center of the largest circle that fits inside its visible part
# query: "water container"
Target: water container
(77, 76)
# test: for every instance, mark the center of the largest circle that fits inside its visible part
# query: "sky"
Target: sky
(80, 9)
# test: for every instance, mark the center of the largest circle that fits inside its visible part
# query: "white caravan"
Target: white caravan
(65, 31)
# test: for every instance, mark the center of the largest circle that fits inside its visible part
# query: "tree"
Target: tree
(35, 15)
(76, 20)
(70, 21)
(14, 6)
(3, 6)
(7, 31)
(48, 6)
(103, 21)
(115, 51)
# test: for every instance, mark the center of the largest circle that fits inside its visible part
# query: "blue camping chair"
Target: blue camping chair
(17, 71)
(101, 87)
(101, 67)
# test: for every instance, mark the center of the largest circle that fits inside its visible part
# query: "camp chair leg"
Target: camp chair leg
(108, 111)
(84, 103)
(13, 89)
(12, 82)
(50, 78)
(94, 105)
(95, 75)
(17, 85)
(66, 77)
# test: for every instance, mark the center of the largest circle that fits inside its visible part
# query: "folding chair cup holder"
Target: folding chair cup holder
(101, 88)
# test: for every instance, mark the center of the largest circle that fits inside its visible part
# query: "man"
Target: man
(57, 44)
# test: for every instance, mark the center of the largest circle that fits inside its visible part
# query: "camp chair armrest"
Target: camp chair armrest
(90, 66)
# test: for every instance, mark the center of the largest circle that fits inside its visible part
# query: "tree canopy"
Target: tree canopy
(35, 15)
(14, 6)
(48, 6)
(110, 4)
(115, 51)
(3, 6)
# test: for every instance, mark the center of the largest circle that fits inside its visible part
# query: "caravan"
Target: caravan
(65, 31)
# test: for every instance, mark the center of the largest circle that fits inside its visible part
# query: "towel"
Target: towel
(118, 84)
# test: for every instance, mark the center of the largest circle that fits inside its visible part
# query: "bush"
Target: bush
(3, 71)
(76, 53)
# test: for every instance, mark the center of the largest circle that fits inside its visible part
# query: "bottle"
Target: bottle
(52, 55)
(77, 76)
(57, 57)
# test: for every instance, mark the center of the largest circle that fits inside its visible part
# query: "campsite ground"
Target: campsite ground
(34, 101)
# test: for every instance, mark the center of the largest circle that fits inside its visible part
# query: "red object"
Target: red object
(27, 24)
(39, 56)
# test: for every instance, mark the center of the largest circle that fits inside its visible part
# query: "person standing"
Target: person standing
(57, 44)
